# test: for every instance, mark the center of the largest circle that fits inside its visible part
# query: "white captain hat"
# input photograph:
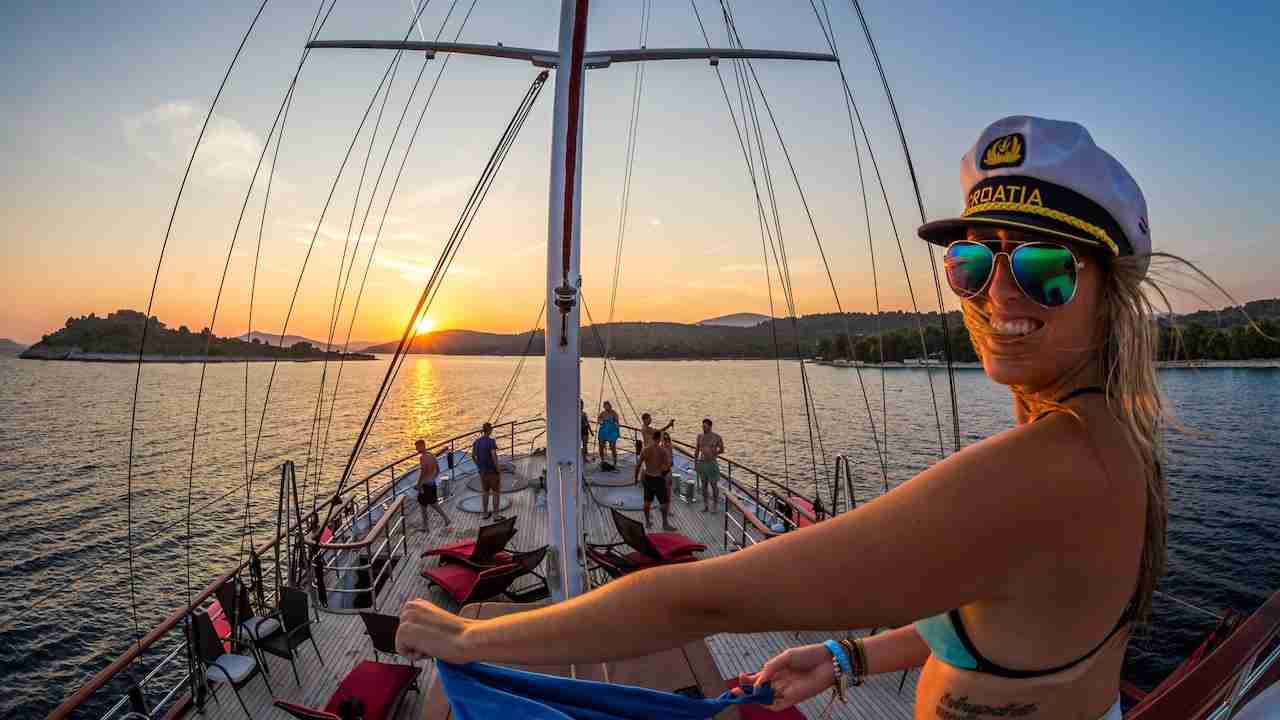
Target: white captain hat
(1048, 177)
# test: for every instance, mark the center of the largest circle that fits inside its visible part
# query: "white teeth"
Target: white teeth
(1015, 327)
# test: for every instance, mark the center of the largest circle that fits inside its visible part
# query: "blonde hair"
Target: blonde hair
(1127, 346)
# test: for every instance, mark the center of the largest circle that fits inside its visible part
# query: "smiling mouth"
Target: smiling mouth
(1015, 327)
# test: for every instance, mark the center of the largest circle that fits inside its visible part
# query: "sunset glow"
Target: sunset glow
(425, 325)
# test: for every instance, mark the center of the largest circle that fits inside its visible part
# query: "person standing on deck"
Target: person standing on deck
(608, 432)
(670, 457)
(586, 427)
(654, 461)
(646, 430)
(709, 448)
(485, 452)
(428, 491)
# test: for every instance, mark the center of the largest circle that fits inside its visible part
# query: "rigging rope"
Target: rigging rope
(511, 384)
(146, 318)
(470, 209)
(637, 89)
(915, 186)
(311, 247)
(781, 261)
(382, 223)
(853, 104)
(312, 33)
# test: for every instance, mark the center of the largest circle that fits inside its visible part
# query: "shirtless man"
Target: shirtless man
(646, 430)
(655, 461)
(710, 446)
(428, 491)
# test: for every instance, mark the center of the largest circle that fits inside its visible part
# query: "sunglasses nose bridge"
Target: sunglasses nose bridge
(1003, 281)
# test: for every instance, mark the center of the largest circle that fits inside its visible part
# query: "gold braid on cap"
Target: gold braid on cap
(1050, 213)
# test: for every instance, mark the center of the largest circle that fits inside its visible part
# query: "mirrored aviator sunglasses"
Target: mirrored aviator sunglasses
(1045, 272)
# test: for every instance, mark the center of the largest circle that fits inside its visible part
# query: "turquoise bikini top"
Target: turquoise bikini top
(949, 642)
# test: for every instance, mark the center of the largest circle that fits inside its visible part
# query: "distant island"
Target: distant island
(9, 347)
(1205, 335)
(115, 338)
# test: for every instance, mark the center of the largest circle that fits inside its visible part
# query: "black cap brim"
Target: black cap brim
(945, 232)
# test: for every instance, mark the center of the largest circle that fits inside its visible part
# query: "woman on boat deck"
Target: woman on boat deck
(1014, 568)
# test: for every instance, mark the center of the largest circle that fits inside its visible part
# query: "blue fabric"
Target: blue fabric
(944, 642)
(479, 691)
(482, 450)
(609, 431)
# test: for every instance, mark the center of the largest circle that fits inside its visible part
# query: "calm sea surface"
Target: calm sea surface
(65, 605)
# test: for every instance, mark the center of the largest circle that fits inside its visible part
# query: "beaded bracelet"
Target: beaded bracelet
(858, 659)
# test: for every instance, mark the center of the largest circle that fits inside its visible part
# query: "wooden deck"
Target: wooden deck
(343, 642)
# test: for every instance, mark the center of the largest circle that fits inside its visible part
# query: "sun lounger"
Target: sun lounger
(486, 550)
(665, 547)
(467, 584)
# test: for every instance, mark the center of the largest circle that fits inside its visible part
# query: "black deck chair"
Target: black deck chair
(220, 666)
(295, 617)
(487, 550)
(666, 547)
(247, 628)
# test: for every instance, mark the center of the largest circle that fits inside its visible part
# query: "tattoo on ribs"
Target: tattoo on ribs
(953, 708)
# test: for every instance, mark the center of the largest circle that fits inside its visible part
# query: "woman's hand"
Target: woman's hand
(427, 631)
(796, 675)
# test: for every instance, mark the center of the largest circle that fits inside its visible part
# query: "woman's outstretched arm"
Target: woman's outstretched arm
(961, 531)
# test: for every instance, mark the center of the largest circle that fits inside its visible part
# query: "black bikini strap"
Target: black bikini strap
(1088, 390)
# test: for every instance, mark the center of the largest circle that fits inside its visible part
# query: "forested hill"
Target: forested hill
(1213, 335)
(120, 332)
(678, 340)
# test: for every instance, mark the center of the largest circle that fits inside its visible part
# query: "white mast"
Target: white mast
(563, 381)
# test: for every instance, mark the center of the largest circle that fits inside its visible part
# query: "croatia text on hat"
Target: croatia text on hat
(1005, 193)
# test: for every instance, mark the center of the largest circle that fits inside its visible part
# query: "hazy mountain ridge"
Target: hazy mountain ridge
(736, 320)
(9, 347)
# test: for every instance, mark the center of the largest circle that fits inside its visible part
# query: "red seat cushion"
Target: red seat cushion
(463, 551)
(457, 580)
(377, 685)
(672, 545)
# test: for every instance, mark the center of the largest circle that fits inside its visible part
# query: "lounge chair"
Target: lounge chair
(466, 584)
(485, 551)
(616, 564)
(665, 547)
(639, 549)
(378, 688)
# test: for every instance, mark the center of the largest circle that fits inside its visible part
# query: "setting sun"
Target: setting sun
(424, 325)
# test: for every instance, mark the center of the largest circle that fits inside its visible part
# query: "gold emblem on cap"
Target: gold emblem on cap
(1004, 151)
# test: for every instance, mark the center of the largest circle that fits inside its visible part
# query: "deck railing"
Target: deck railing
(374, 496)
(346, 576)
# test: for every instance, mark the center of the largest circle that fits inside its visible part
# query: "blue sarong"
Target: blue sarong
(479, 691)
(609, 431)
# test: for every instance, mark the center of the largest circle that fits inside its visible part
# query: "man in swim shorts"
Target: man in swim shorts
(709, 448)
(608, 432)
(654, 461)
(428, 492)
(485, 453)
